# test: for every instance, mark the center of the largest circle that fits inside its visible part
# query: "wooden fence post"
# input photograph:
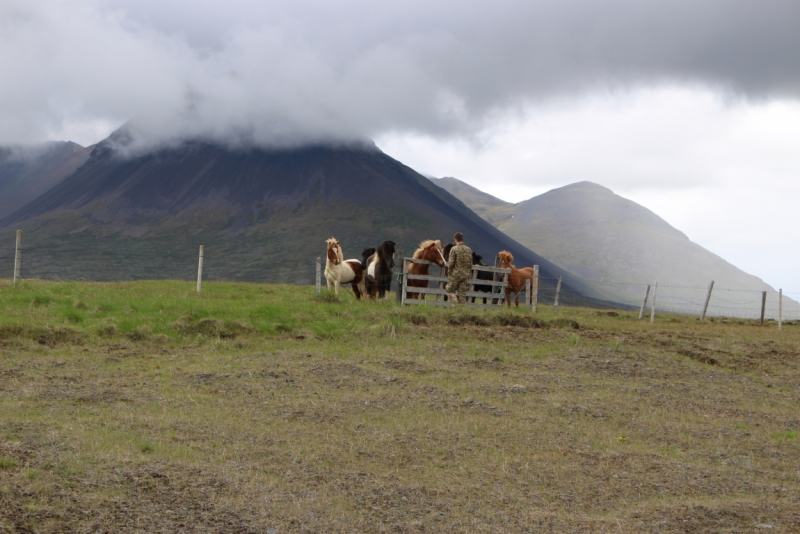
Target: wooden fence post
(200, 270)
(763, 305)
(535, 288)
(404, 287)
(558, 290)
(398, 292)
(496, 277)
(708, 298)
(653, 305)
(528, 293)
(780, 309)
(644, 302)
(18, 257)
(319, 275)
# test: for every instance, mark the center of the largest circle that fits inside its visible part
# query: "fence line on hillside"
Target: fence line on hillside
(26, 260)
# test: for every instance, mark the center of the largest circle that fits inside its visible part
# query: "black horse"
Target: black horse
(482, 275)
(378, 265)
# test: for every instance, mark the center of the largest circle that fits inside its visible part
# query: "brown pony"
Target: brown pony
(429, 250)
(339, 271)
(516, 280)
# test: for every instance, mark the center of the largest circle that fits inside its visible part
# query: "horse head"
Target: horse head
(446, 251)
(505, 259)
(430, 250)
(477, 259)
(386, 252)
(334, 251)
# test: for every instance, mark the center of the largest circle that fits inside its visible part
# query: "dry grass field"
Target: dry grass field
(144, 407)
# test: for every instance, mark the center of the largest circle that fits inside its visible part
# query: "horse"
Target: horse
(378, 265)
(338, 271)
(516, 280)
(429, 250)
(481, 275)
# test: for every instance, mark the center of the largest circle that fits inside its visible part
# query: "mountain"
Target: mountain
(27, 172)
(491, 209)
(613, 244)
(262, 215)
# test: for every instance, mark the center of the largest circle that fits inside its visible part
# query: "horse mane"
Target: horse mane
(428, 243)
(506, 256)
(332, 242)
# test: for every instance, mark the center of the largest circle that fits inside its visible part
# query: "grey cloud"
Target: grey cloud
(285, 73)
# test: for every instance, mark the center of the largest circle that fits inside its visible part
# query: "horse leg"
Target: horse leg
(517, 298)
(330, 285)
(362, 286)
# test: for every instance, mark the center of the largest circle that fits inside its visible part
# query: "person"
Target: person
(459, 266)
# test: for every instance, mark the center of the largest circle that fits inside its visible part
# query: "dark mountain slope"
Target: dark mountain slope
(26, 173)
(262, 214)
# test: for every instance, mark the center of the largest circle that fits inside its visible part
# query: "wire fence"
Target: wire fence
(105, 262)
(691, 300)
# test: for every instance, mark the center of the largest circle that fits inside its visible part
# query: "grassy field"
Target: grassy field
(145, 407)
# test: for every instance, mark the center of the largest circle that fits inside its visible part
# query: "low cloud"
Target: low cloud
(296, 72)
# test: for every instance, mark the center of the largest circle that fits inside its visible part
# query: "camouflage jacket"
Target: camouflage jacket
(459, 262)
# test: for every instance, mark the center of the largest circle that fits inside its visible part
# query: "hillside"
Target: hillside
(26, 173)
(491, 209)
(143, 407)
(610, 242)
(262, 215)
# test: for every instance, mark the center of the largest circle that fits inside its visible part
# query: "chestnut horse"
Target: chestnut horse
(339, 271)
(429, 250)
(378, 265)
(516, 280)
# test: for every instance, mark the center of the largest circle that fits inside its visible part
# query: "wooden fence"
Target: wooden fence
(434, 296)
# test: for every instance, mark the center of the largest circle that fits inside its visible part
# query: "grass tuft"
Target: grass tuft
(211, 327)
(7, 463)
(563, 322)
(141, 333)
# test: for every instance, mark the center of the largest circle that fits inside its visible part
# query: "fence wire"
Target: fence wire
(151, 262)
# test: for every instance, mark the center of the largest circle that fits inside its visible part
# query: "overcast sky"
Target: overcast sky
(689, 108)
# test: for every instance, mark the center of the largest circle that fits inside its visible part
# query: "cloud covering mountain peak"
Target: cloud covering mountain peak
(287, 73)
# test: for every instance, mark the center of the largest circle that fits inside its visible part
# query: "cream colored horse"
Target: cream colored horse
(339, 271)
